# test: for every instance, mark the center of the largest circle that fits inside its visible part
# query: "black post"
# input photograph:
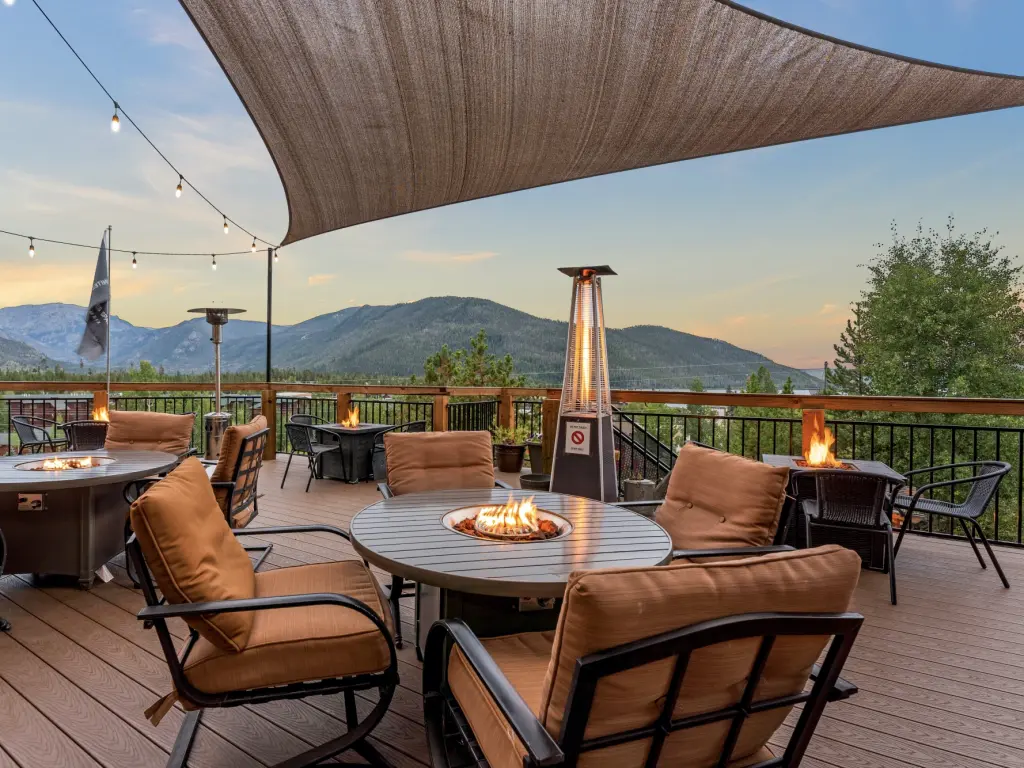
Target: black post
(270, 303)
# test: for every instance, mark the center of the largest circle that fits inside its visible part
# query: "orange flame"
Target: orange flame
(514, 518)
(352, 420)
(100, 414)
(84, 462)
(819, 453)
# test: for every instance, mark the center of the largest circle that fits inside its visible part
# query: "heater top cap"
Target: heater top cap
(216, 315)
(594, 271)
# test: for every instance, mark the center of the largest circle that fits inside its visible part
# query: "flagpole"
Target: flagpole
(110, 296)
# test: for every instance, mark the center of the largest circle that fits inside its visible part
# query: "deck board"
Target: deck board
(942, 673)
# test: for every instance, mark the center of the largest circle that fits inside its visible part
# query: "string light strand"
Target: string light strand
(32, 248)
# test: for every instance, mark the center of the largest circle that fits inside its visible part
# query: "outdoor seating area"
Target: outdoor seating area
(81, 667)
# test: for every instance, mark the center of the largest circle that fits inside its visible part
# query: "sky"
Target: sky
(764, 249)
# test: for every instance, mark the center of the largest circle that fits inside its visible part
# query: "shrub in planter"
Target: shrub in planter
(510, 448)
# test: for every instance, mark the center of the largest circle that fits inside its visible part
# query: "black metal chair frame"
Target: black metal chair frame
(252, 446)
(401, 588)
(829, 509)
(313, 454)
(28, 438)
(157, 612)
(79, 434)
(966, 513)
(441, 711)
(378, 462)
(307, 419)
(5, 625)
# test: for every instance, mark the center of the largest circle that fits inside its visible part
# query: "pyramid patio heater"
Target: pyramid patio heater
(215, 424)
(584, 460)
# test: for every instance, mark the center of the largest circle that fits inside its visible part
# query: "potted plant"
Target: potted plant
(535, 448)
(509, 448)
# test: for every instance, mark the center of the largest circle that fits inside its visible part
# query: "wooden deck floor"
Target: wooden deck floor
(941, 675)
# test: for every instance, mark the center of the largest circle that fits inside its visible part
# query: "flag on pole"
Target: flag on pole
(97, 318)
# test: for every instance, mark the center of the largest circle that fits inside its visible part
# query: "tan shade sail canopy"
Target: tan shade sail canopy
(372, 108)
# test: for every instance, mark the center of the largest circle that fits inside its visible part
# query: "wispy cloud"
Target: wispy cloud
(827, 309)
(315, 280)
(28, 182)
(447, 257)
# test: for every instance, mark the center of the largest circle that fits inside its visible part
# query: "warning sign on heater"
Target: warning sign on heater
(577, 437)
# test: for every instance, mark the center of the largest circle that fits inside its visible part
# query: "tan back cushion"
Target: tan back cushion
(435, 461)
(230, 447)
(717, 499)
(149, 431)
(192, 553)
(604, 609)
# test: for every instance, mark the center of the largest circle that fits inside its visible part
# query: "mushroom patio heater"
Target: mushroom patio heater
(584, 460)
(217, 422)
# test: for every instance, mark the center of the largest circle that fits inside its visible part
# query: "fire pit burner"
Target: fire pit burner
(514, 521)
(804, 464)
(59, 463)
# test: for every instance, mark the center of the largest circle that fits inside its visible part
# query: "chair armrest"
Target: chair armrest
(503, 484)
(843, 689)
(543, 749)
(733, 552)
(192, 452)
(291, 529)
(228, 484)
(385, 490)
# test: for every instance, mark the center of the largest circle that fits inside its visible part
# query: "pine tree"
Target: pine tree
(848, 373)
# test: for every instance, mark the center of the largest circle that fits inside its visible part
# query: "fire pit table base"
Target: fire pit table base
(83, 530)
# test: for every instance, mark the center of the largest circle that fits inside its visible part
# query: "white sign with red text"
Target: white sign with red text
(577, 437)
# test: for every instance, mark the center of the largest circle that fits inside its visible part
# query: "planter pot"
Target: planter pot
(510, 457)
(536, 450)
(535, 481)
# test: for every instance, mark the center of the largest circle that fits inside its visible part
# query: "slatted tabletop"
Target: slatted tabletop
(127, 466)
(404, 536)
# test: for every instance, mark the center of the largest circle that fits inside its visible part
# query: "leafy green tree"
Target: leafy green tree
(475, 367)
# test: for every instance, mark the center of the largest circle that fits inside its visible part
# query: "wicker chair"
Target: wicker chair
(5, 625)
(378, 459)
(702, 669)
(426, 461)
(850, 500)
(86, 435)
(254, 638)
(983, 488)
(302, 439)
(36, 434)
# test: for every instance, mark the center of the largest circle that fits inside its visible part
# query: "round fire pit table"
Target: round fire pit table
(499, 587)
(69, 522)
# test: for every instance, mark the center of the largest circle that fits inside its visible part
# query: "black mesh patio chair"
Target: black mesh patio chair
(307, 418)
(303, 441)
(850, 500)
(86, 435)
(5, 625)
(36, 434)
(983, 487)
(378, 459)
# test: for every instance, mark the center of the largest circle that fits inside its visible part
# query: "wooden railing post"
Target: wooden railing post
(549, 426)
(344, 403)
(100, 399)
(268, 407)
(506, 410)
(440, 413)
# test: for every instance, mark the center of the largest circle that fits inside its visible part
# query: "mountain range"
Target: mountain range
(385, 340)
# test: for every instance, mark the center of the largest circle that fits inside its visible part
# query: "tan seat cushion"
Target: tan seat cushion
(150, 431)
(604, 609)
(230, 447)
(433, 461)
(717, 499)
(524, 660)
(192, 553)
(291, 645)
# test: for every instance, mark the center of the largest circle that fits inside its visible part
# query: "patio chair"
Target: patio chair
(378, 459)
(307, 418)
(721, 505)
(851, 501)
(648, 508)
(86, 435)
(302, 441)
(151, 431)
(984, 486)
(36, 434)
(433, 461)
(680, 665)
(310, 630)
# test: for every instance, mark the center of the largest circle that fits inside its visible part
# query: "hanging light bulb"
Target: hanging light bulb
(214, 265)
(226, 225)
(31, 248)
(275, 255)
(254, 245)
(135, 264)
(115, 121)
(177, 192)
(8, 2)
